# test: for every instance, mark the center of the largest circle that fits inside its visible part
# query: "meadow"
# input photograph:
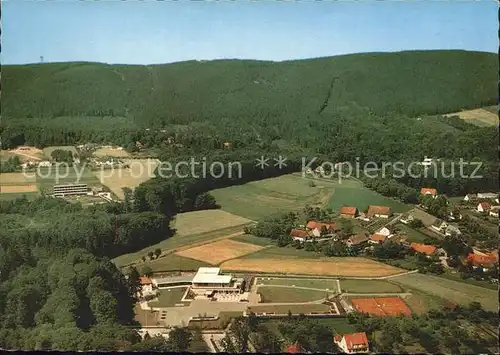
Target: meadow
(412, 234)
(270, 294)
(264, 198)
(458, 292)
(252, 239)
(369, 286)
(324, 284)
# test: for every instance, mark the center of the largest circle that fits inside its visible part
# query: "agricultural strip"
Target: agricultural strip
(454, 291)
(325, 284)
(328, 266)
(369, 286)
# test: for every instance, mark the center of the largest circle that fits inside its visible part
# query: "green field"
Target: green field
(296, 309)
(168, 297)
(271, 294)
(14, 195)
(413, 234)
(173, 262)
(369, 286)
(421, 302)
(330, 284)
(458, 292)
(50, 176)
(251, 239)
(480, 283)
(48, 151)
(264, 198)
(361, 197)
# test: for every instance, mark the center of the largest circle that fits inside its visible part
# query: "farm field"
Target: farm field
(13, 196)
(361, 197)
(168, 297)
(111, 152)
(251, 239)
(217, 252)
(480, 117)
(264, 198)
(191, 228)
(271, 294)
(17, 179)
(426, 218)
(48, 151)
(15, 185)
(139, 171)
(288, 252)
(330, 284)
(349, 267)
(205, 221)
(295, 309)
(480, 283)
(26, 153)
(369, 286)
(17, 188)
(454, 291)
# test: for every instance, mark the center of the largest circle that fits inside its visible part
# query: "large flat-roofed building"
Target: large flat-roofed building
(209, 280)
(70, 189)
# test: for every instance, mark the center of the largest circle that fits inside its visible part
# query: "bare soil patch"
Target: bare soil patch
(28, 153)
(17, 188)
(354, 267)
(480, 114)
(215, 253)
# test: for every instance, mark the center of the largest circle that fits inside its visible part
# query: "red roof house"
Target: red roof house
(377, 238)
(352, 343)
(348, 212)
(428, 191)
(143, 280)
(486, 261)
(423, 248)
(483, 207)
(316, 227)
(293, 349)
(298, 234)
(379, 211)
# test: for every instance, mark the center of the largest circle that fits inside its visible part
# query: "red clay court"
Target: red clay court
(382, 306)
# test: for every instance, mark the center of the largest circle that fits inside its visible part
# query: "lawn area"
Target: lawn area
(264, 198)
(47, 177)
(14, 195)
(330, 284)
(172, 262)
(421, 302)
(337, 325)
(413, 234)
(369, 286)
(270, 294)
(456, 277)
(296, 309)
(361, 197)
(168, 297)
(197, 222)
(252, 239)
(458, 292)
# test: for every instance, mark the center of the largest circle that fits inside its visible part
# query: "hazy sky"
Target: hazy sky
(146, 32)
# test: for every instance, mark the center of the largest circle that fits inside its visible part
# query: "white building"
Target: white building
(384, 231)
(452, 229)
(494, 211)
(45, 163)
(209, 280)
(487, 195)
(483, 207)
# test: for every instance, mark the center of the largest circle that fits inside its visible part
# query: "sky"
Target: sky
(150, 32)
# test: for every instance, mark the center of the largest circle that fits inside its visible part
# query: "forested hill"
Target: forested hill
(408, 83)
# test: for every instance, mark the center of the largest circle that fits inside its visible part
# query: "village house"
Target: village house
(362, 216)
(426, 249)
(483, 207)
(439, 225)
(406, 218)
(428, 191)
(488, 195)
(354, 343)
(348, 212)
(470, 197)
(45, 163)
(385, 232)
(379, 211)
(452, 229)
(377, 239)
(299, 234)
(454, 215)
(293, 349)
(315, 228)
(357, 239)
(146, 285)
(494, 211)
(485, 261)
(228, 145)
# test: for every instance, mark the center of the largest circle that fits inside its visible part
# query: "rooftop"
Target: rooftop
(211, 275)
(423, 248)
(380, 210)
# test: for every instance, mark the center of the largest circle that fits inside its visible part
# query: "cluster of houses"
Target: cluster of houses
(485, 202)
(34, 164)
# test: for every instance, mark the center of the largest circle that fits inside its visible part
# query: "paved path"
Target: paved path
(338, 286)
